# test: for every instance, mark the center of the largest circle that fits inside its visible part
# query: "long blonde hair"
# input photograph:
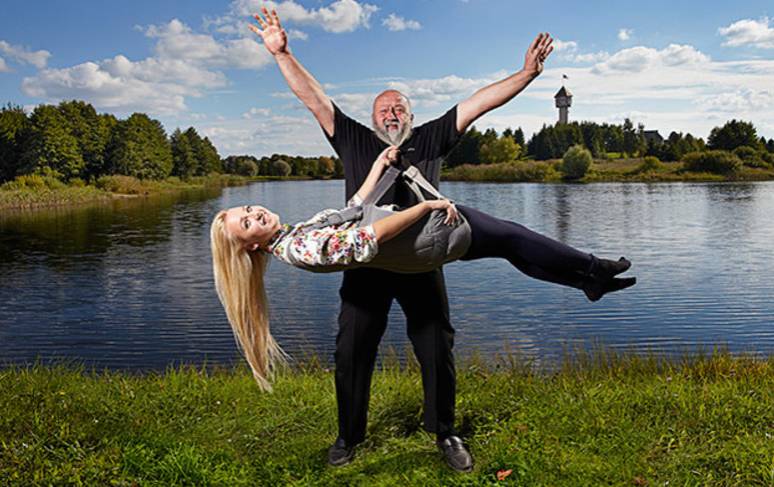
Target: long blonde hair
(239, 282)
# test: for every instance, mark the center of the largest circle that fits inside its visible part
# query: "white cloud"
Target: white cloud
(256, 113)
(740, 100)
(624, 34)
(395, 23)
(639, 58)
(339, 16)
(177, 41)
(565, 46)
(297, 34)
(185, 65)
(756, 33)
(23, 55)
(296, 135)
(4, 67)
(568, 51)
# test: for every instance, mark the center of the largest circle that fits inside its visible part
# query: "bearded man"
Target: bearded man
(367, 294)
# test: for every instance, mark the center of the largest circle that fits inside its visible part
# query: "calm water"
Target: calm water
(129, 285)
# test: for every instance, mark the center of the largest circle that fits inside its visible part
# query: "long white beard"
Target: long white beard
(393, 138)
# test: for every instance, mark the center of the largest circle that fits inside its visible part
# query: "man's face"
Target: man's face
(392, 117)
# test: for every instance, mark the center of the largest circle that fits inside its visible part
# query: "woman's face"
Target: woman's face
(252, 224)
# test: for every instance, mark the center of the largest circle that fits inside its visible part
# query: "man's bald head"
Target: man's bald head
(391, 117)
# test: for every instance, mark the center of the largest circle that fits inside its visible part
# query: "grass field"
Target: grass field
(600, 419)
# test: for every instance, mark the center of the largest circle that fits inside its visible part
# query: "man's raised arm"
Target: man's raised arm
(501, 92)
(300, 81)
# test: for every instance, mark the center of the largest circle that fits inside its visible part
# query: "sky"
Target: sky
(683, 66)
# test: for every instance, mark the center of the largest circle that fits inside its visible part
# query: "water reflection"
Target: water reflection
(128, 284)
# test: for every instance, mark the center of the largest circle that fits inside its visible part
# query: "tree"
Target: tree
(503, 149)
(280, 168)
(51, 145)
(732, 135)
(184, 161)
(326, 166)
(467, 150)
(14, 124)
(209, 159)
(91, 131)
(139, 147)
(576, 162)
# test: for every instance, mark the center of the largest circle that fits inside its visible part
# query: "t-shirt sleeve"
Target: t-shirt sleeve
(443, 133)
(334, 246)
(346, 131)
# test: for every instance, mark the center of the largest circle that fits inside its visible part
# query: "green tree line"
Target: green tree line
(72, 141)
(602, 140)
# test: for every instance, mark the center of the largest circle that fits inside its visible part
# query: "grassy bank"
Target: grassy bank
(599, 420)
(602, 170)
(39, 191)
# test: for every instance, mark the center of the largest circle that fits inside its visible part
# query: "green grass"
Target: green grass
(602, 170)
(600, 419)
(31, 192)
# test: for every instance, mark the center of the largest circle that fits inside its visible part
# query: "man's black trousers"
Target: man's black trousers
(366, 297)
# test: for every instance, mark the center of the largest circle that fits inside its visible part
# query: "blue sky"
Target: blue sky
(684, 66)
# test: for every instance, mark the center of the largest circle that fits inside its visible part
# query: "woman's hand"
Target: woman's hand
(452, 215)
(387, 157)
(537, 53)
(274, 36)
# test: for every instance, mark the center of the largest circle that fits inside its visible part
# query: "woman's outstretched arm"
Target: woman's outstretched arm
(381, 163)
(389, 227)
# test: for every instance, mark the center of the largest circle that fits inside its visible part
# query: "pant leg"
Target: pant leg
(424, 302)
(365, 302)
(534, 254)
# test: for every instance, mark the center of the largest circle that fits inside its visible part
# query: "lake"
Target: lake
(128, 285)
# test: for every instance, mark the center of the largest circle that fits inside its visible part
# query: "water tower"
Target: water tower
(563, 99)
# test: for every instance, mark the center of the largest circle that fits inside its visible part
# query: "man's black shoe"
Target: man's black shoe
(457, 457)
(340, 453)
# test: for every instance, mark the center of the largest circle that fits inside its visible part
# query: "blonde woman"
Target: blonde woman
(416, 239)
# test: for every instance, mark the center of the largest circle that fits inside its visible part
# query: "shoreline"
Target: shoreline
(603, 171)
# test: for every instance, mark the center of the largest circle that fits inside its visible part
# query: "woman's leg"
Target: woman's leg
(530, 251)
(541, 257)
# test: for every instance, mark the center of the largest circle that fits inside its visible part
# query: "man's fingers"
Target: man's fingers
(535, 42)
(256, 30)
(260, 21)
(276, 17)
(267, 15)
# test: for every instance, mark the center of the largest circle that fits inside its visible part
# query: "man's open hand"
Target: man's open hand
(537, 53)
(274, 36)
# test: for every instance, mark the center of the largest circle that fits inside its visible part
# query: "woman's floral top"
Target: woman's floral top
(338, 244)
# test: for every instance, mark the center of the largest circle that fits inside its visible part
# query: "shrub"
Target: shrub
(751, 157)
(246, 167)
(650, 164)
(714, 161)
(77, 182)
(280, 168)
(120, 184)
(576, 162)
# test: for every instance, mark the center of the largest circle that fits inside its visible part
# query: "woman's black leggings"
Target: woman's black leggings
(532, 253)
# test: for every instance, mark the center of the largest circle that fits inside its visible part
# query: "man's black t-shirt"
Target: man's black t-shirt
(358, 147)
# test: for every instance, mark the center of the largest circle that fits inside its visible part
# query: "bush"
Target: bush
(246, 167)
(751, 157)
(650, 164)
(280, 168)
(576, 162)
(120, 184)
(714, 161)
